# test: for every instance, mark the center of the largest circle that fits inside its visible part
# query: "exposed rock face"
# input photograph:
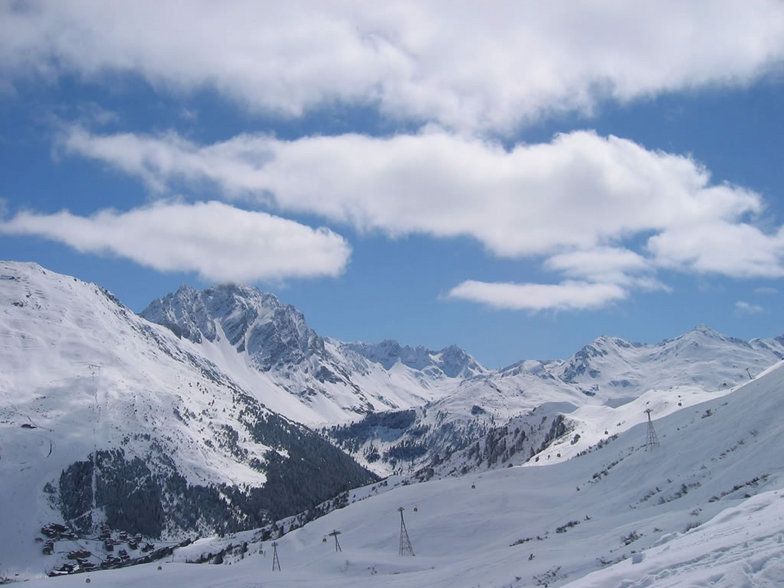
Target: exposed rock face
(273, 335)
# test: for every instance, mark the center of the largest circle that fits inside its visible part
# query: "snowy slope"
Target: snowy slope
(704, 508)
(107, 417)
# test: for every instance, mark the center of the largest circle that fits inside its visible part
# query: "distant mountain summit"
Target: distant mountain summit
(613, 367)
(452, 361)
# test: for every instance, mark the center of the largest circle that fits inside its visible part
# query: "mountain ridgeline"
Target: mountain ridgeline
(220, 410)
(406, 410)
(311, 379)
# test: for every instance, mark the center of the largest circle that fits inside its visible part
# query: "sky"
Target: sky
(517, 181)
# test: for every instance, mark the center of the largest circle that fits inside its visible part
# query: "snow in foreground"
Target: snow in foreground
(704, 508)
(741, 546)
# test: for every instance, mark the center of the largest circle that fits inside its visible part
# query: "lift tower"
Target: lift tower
(653, 440)
(405, 542)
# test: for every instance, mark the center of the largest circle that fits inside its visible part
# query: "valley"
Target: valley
(218, 421)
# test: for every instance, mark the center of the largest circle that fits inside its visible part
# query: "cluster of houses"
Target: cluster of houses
(82, 560)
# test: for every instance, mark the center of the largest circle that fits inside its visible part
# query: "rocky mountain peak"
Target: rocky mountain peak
(457, 362)
(453, 361)
(255, 322)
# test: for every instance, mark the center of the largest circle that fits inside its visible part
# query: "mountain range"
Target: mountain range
(220, 410)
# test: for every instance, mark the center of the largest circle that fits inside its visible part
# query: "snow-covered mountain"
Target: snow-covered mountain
(268, 346)
(619, 370)
(510, 415)
(399, 409)
(704, 507)
(450, 362)
(108, 418)
(194, 424)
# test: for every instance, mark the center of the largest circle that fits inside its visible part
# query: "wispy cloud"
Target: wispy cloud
(611, 265)
(219, 242)
(465, 67)
(569, 295)
(745, 308)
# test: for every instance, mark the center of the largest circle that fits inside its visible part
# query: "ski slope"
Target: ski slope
(703, 508)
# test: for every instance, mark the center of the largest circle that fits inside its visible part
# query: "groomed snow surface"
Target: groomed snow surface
(704, 508)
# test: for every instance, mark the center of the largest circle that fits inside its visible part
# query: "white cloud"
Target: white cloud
(611, 265)
(746, 308)
(738, 250)
(568, 295)
(603, 212)
(219, 242)
(463, 66)
(575, 199)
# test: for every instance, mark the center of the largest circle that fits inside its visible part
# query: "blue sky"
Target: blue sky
(517, 183)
